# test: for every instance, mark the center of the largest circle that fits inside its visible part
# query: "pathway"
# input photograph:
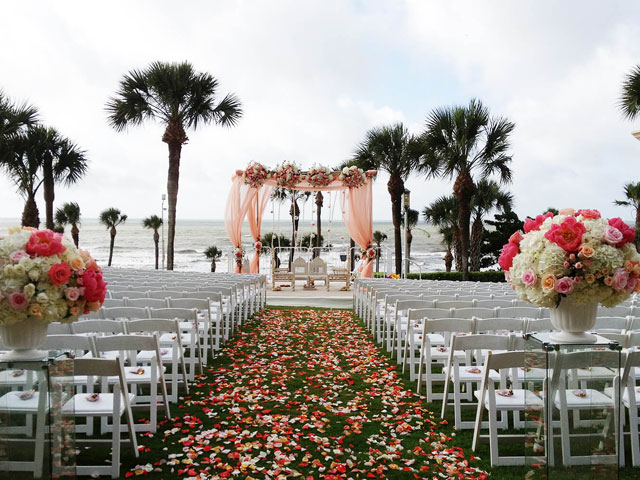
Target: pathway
(302, 393)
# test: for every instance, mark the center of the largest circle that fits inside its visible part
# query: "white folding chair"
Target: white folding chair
(190, 336)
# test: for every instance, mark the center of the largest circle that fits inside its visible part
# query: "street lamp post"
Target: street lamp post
(164, 197)
(406, 200)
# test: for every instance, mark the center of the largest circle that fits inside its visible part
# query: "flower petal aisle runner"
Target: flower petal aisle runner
(304, 394)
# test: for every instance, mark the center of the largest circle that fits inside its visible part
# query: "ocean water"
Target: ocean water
(134, 247)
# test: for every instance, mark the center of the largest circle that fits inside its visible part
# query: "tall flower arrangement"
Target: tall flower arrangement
(352, 177)
(578, 255)
(288, 175)
(44, 276)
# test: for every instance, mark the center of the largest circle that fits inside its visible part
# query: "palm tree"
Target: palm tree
(213, 253)
(14, 119)
(154, 222)
(319, 205)
(630, 100)
(488, 196)
(459, 141)
(443, 213)
(69, 214)
(23, 168)
(393, 150)
(378, 238)
(178, 97)
(271, 240)
(111, 218)
(632, 192)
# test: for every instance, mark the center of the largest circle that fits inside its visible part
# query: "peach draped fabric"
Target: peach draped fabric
(254, 215)
(250, 201)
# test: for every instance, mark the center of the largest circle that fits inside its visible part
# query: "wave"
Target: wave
(187, 251)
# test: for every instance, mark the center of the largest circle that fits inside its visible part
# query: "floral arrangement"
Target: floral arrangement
(44, 276)
(258, 246)
(352, 177)
(578, 255)
(369, 253)
(319, 176)
(255, 174)
(288, 175)
(393, 276)
(238, 253)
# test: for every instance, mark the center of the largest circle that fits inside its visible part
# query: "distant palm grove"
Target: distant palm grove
(463, 143)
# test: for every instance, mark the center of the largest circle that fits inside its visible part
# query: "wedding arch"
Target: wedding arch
(252, 188)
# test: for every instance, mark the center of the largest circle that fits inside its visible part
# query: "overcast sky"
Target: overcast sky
(314, 76)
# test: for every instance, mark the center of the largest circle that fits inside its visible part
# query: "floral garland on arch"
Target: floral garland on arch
(352, 177)
(45, 277)
(258, 247)
(288, 175)
(369, 253)
(255, 174)
(319, 176)
(238, 254)
(579, 255)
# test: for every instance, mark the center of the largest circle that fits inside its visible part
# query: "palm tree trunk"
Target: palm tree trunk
(409, 240)
(395, 186)
(476, 243)
(463, 191)
(49, 195)
(175, 150)
(156, 241)
(294, 211)
(448, 259)
(30, 216)
(377, 257)
(111, 244)
(457, 248)
(75, 234)
(319, 203)
(213, 265)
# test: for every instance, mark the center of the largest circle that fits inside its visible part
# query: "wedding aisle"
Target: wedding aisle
(302, 393)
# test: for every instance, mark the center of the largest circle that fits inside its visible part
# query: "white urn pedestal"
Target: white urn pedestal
(573, 321)
(23, 339)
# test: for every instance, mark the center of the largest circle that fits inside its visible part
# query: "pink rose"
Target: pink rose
(628, 233)
(59, 273)
(18, 300)
(612, 235)
(72, 293)
(567, 235)
(564, 285)
(531, 224)
(44, 243)
(509, 251)
(95, 288)
(529, 277)
(15, 257)
(631, 284)
(588, 214)
(516, 238)
(620, 279)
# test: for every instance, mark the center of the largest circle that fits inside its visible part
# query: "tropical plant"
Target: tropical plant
(272, 240)
(630, 100)
(180, 98)
(213, 253)
(488, 196)
(23, 167)
(60, 161)
(459, 141)
(503, 225)
(14, 119)
(154, 223)
(69, 214)
(632, 192)
(391, 149)
(443, 213)
(309, 241)
(111, 218)
(378, 238)
(414, 216)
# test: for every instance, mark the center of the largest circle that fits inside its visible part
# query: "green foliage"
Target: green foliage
(379, 237)
(307, 242)
(553, 210)
(504, 225)
(68, 214)
(112, 217)
(213, 253)
(489, 276)
(153, 222)
(629, 102)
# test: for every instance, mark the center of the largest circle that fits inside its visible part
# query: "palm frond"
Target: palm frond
(629, 102)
